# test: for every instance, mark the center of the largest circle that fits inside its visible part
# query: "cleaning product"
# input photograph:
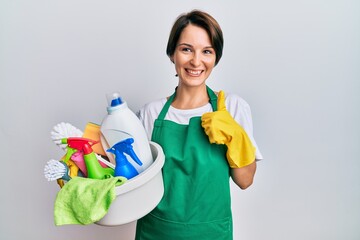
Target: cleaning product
(78, 159)
(120, 124)
(93, 167)
(123, 167)
(92, 131)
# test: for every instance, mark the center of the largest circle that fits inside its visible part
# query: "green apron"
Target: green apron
(196, 203)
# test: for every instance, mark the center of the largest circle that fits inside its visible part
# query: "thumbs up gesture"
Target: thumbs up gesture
(221, 128)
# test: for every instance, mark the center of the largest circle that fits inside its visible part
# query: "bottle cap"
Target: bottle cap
(114, 99)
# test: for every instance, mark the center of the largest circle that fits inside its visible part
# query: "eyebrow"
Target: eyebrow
(189, 45)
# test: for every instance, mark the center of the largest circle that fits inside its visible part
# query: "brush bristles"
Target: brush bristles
(54, 170)
(64, 130)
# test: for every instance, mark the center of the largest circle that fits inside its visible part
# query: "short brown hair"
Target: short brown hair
(200, 19)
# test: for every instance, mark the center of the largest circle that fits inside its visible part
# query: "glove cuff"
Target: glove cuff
(241, 151)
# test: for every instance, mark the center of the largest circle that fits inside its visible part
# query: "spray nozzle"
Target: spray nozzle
(79, 143)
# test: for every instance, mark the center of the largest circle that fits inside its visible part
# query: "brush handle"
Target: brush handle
(107, 163)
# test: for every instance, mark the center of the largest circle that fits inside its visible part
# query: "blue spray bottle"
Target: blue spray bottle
(123, 167)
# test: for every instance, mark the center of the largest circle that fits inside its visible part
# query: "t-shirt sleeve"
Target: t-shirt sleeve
(148, 113)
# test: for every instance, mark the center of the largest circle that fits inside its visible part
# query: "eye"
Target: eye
(207, 51)
(185, 49)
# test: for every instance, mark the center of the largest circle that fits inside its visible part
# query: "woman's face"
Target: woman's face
(194, 56)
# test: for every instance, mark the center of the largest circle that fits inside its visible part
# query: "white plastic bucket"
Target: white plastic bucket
(139, 195)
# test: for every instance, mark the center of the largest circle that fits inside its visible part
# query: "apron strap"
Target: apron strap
(211, 94)
(166, 106)
(213, 98)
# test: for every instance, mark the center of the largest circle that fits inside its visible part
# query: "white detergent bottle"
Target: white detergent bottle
(121, 124)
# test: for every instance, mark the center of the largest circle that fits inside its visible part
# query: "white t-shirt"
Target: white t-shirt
(237, 107)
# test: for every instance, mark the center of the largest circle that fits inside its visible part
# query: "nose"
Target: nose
(196, 59)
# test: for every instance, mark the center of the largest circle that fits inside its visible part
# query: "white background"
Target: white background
(295, 62)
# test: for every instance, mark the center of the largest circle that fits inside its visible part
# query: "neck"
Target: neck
(190, 97)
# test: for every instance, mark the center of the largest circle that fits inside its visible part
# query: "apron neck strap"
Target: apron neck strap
(211, 94)
(213, 98)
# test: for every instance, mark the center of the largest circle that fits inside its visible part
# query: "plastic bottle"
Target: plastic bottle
(120, 124)
(123, 167)
(94, 169)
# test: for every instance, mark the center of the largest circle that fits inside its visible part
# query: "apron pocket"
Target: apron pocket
(154, 228)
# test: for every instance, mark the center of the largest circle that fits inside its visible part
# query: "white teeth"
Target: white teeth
(194, 72)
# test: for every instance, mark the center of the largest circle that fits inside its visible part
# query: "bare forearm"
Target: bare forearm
(244, 176)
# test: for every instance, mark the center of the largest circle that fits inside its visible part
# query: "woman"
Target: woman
(206, 138)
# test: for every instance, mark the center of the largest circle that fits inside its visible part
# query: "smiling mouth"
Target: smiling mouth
(194, 73)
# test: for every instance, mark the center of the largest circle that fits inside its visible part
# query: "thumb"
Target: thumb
(221, 101)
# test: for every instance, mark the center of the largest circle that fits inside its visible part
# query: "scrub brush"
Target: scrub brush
(64, 130)
(54, 170)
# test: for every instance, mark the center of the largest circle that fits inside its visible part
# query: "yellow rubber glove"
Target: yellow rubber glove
(221, 128)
